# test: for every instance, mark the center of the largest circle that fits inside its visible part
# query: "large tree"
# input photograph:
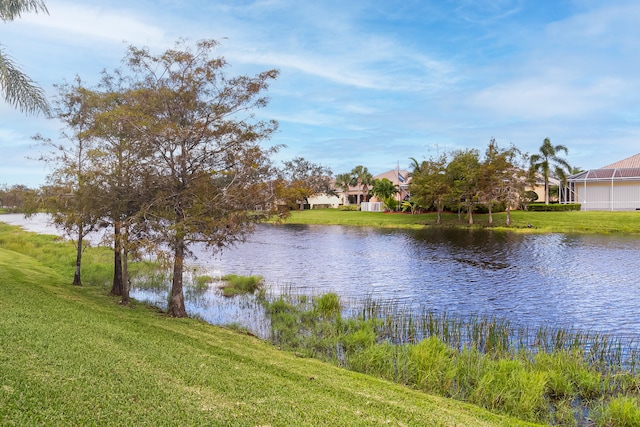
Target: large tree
(300, 179)
(463, 173)
(546, 160)
(17, 88)
(429, 185)
(344, 181)
(384, 190)
(502, 178)
(211, 177)
(68, 195)
(124, 171)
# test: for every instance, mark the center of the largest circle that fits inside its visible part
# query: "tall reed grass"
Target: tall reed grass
(550, 375)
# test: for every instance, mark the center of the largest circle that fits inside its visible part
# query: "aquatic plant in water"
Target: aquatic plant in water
(549, 375)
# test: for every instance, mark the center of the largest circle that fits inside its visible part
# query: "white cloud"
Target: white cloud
(84, 23)
(543, 98)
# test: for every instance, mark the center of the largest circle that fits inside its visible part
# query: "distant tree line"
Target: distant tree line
(466, 181)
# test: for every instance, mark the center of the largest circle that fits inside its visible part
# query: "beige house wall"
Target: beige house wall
(324, 200)
(613, 195)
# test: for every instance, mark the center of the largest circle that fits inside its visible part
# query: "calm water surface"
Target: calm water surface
(590, 282)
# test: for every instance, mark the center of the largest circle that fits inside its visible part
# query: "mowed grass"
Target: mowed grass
(74, 356)
(523, 221)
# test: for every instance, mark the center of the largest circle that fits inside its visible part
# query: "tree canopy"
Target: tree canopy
(300, 179)
(176, 153)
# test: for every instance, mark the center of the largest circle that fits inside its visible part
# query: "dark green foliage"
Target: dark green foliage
(530, 196)
(350, 207)
(541, 207)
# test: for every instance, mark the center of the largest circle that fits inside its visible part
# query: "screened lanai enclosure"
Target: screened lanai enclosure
(613, 188)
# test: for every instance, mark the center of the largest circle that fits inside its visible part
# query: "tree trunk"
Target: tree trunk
(125, 266)
(508, 215)
(546, 192)
(490, 214)
(116, 288)
(439, 210)
(76, 274)
(470, 213)
(176, 302)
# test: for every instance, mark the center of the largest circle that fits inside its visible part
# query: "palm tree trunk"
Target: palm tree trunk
(546, 192)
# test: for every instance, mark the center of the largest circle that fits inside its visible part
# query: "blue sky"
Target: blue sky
(371, 82)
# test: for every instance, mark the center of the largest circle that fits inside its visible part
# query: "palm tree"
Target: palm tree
(17, 88)
(363, 180)
(547, 158)
(384, 190)
(417, 167)
(343, 182)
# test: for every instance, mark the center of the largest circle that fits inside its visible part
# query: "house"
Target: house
(400, 178)
(538, 187)
(615, 187)
(321, 201)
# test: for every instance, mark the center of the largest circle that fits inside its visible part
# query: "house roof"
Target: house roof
(392, 176)
(626, 169)
(607, 174)
(629, 162)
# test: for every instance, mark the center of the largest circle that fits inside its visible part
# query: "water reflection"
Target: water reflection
(588, 282)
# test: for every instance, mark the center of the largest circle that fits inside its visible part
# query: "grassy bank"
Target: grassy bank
(73, 356)
(557, 376)
(561, 222)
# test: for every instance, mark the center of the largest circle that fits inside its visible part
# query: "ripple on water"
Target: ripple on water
(587, 282)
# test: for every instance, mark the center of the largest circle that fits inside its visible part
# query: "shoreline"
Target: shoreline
(583, 222)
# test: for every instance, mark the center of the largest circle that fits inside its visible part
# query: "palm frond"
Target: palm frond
(12, 9)
(19, 90)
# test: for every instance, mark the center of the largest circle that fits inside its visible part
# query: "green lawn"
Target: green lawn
(566, 222)
(74, 356)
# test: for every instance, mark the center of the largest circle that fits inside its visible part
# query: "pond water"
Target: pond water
(587, 282)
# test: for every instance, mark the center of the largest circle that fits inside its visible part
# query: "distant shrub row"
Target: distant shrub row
(350, 207)
(555, 207)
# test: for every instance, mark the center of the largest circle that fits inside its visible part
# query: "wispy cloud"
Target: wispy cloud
(93, 24)
(375, 82)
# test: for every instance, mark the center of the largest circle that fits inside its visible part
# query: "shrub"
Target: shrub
(350, 207)
(391, 203)
(554, 207)
(530, 196)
